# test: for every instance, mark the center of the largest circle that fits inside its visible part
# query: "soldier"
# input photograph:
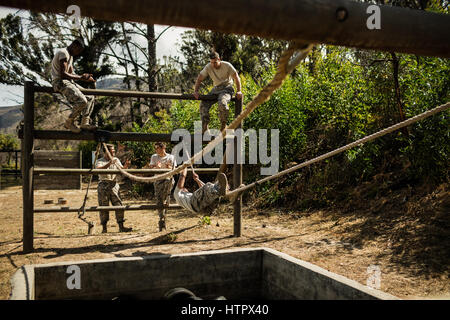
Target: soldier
(63, 82)
(162, 160)
(222, 73)
(108, 189)
(203, 200)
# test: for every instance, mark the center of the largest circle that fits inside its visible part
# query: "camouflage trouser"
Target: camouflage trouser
(206, 199)
(224, 96)
(162, 195)
(109, 191)
(81, 104)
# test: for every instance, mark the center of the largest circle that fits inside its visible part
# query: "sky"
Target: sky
(166, 46)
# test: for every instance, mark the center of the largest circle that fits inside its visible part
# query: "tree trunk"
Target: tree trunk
(395, 65)
(152, 87)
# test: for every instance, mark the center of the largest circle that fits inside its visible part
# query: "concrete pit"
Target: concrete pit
(252, 273)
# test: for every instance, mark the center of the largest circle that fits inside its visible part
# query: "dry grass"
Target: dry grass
(342, 242)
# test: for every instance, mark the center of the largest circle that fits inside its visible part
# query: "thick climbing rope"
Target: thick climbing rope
(287, 63)
(289, 59)
(426, 114)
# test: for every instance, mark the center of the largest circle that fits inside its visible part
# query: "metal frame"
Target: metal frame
(28, 135)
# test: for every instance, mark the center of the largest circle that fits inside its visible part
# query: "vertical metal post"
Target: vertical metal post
(27, 168)
(237, 176)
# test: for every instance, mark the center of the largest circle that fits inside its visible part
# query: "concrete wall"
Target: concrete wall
(208, 274)
(284, 277)
(257, 273)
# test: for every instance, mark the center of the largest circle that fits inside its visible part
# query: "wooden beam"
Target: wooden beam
(134, 94)
(237, 177)
(336, 22)
(110, 208)
(112, 171)
(102, 135)
(27, 168)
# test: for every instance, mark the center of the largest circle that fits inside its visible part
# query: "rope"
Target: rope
(82, 209)
(289, 59)
(233, 194)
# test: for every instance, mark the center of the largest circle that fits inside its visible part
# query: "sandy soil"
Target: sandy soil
(341, 242)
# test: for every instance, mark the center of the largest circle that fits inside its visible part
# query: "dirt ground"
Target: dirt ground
(342, 242)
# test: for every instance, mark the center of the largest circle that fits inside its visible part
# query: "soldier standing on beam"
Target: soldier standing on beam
(222, 73)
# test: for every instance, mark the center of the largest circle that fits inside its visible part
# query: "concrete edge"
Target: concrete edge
(150, 257)
(349, 282)
(22, 284)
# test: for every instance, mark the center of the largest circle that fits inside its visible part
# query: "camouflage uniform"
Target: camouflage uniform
(224, 92)
(162, 195)
(108, 190)
(206, 198)
(80, 103)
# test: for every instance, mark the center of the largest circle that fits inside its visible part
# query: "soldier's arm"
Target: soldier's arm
(106, 166)
(182, 179)
(200, 183)
(65, 72)
(237, 82)
(199, 80)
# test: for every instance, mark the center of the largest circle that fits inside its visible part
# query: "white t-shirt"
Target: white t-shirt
(61, 54)
(184, 199)
(167, 162)
(221, 76)
(107, 177)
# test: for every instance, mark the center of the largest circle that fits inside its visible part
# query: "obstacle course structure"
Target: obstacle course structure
(28, 134)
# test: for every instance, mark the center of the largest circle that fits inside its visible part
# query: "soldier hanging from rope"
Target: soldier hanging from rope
(108, 189)
(205, 199)
(63, 79)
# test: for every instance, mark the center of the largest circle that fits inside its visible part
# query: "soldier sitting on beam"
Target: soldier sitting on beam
(63, 82)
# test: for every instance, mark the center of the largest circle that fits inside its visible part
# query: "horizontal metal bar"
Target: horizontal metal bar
(134, 94)
(112, 171)
(336, 22)
(98, 208)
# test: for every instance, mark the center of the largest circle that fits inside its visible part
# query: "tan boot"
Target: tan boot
(69, 124)
(86, 126)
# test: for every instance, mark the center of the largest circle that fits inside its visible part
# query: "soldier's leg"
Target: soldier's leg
(206, 196)
(167, 190)
(120, 214)
(205, 106)
(86, 113)
(77, 99)
(223, 108)
(103, 200)
(162, 192)
(159, 195)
